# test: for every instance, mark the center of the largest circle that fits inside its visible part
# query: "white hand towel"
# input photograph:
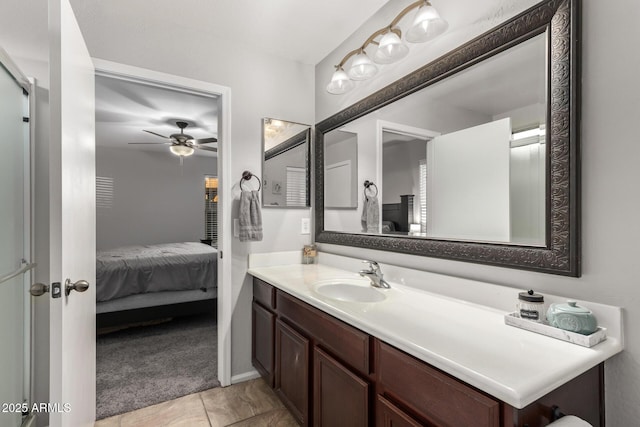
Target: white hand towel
(250, 217)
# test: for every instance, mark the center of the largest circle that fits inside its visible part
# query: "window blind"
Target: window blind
(296, 186)
(211, 209)
(423, 195)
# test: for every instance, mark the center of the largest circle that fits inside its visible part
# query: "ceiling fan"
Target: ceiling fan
(181, 143)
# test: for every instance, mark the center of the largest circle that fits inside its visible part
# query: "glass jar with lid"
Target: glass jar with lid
(531, 306)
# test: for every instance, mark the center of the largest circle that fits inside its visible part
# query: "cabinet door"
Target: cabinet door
(389, 415)
(340, 398)
(262, 348)
(292, 371)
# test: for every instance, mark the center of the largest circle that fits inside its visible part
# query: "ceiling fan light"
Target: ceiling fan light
(390, 49)
(427, 25)
(362, 67)
(181, 150)
(340, 83)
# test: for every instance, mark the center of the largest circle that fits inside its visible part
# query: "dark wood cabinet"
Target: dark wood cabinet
(263, 345)
(435, 396)
(340, 397)
(329, 373)
(292, 371)
(389, 415)
(263, 320)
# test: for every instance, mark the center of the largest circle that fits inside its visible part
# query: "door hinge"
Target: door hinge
(220, 252)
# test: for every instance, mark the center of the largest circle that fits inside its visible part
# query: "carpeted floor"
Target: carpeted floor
(142, 366)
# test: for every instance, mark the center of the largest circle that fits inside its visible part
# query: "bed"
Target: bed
(143, 282)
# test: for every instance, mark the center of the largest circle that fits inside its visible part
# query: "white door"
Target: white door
(72, 220)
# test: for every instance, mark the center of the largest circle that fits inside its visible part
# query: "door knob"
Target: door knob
(79, 286)
(38, 289)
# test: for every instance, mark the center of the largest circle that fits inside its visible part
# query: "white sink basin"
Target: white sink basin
(351, 290)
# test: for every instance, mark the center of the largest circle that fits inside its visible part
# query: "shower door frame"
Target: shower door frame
(27, 85)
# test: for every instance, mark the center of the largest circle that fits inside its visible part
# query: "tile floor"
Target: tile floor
(250, 403)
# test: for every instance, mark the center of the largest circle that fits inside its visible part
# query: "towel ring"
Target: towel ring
(367, 185)
(246, 176)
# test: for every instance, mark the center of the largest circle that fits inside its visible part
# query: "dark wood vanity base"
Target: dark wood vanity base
(328, 373)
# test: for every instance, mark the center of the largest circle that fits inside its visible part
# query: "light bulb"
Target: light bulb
(362, 67)
(390, 49)
(340, 83)
(181, 150)
(427, 25)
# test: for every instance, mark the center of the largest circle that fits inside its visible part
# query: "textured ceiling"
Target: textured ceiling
(124, 109)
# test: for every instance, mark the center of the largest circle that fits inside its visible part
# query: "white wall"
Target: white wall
(155, 200)
(610, 203)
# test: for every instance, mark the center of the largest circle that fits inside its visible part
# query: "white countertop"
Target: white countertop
(469, 341)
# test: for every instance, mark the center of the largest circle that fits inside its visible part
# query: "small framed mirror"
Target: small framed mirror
(286, 148)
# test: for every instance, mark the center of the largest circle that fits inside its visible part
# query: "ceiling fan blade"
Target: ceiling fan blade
(204, 140)
(156, 134)
(202, 147)
(149, 143)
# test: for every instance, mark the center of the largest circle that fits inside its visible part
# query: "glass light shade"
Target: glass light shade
(181, 150)
(427, 25)
(340, 83)
(362, 67)
(390, 49)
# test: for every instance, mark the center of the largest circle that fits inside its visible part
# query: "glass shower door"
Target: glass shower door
(14, 246)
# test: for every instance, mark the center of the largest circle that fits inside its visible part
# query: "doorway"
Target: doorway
(169, 192)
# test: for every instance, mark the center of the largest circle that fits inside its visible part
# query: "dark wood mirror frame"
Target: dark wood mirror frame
(561, 255)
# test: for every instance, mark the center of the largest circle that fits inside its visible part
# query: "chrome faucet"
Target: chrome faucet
(375, 275)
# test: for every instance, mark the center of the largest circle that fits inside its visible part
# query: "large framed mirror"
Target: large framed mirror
(474, 156)
(286, 148)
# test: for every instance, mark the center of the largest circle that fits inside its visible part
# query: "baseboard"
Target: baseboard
(246, 376)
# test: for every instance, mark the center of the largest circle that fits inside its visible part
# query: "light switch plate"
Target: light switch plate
(236, 227)
(305, 226)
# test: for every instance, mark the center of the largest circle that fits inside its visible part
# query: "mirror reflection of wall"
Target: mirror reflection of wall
(285, 168)
(341, 170)
(341, 180)
(485, 180)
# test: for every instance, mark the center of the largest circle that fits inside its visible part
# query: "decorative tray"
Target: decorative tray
(513, 319)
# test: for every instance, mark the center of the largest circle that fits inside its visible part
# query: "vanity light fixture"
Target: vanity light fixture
(181, 150)
(389, 47)
(362, 67)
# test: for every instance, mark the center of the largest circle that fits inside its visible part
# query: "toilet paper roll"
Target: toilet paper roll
(570, 421)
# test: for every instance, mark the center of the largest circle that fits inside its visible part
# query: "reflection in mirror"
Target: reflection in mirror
(462, 159)
(517, 86)
(285, 168)
(341, 170)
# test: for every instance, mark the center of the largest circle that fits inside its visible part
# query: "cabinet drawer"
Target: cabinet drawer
(264, 293)
(341, 339)
(439, 398)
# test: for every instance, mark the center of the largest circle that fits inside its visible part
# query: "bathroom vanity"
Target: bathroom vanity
(413, 358)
